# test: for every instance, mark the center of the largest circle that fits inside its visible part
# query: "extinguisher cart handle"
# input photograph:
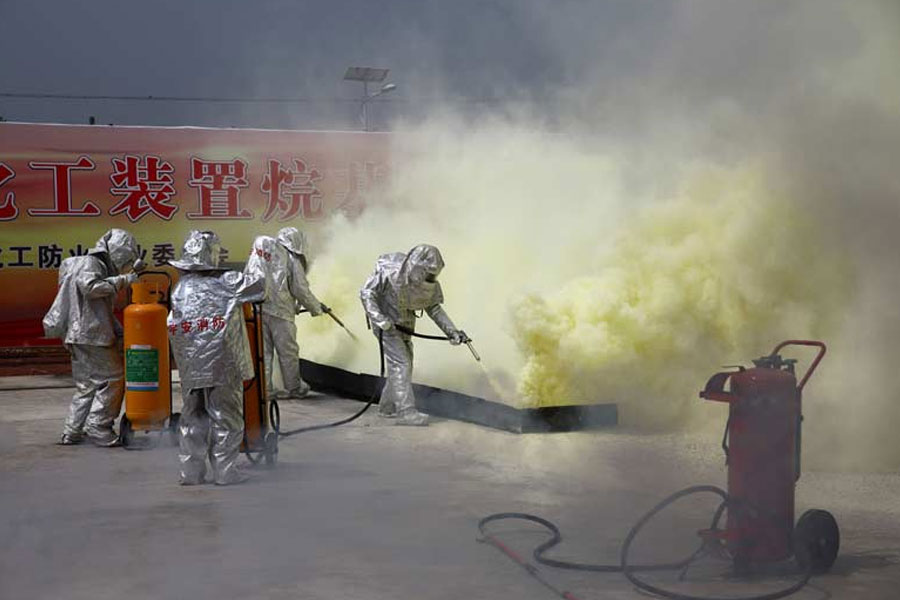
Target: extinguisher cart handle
(815, 362)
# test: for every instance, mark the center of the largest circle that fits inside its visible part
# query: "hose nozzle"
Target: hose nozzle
(465, 339)
(330, 313)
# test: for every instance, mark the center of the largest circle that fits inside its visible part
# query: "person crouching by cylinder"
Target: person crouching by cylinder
(212, 353)
(401, 285)
(82, 315)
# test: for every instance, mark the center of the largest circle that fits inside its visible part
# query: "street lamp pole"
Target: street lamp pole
(366, 75)
(389, 87)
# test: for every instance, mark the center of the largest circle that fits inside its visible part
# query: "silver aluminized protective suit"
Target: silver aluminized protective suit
(282, 262)
(289, 284)
(287, 292)
(82, 312)
(82, 315)
(401, 285)
(212, 352)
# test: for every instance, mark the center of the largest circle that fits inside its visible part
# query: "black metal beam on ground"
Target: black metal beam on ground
(462, 407)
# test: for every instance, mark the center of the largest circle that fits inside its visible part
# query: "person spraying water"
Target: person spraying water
(401, 285)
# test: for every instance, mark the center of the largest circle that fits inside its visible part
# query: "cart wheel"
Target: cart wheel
(816, 540)
(126, 433)
(174, 419)
(271, 449)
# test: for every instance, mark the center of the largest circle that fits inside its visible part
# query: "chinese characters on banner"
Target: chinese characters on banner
(62, 186)
(145, 185)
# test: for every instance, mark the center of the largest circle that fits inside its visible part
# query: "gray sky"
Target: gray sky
(437, 52)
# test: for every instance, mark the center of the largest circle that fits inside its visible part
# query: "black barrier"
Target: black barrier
(462, 407)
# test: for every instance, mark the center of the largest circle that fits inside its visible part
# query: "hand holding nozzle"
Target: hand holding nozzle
(124, 280)
(465, 339)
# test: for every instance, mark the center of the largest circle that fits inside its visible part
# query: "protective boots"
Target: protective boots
(106, 438)
(70, 440)
(413, 418)
(302, 391)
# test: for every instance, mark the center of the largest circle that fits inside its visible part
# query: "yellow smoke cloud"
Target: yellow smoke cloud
(719, 274)
(572, 294)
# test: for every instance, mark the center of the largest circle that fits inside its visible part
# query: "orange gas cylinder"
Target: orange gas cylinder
(147, 375)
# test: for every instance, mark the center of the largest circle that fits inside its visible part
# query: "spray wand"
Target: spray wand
(331, 314)
(468, 342)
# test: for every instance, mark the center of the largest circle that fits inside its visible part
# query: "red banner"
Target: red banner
(62, 186)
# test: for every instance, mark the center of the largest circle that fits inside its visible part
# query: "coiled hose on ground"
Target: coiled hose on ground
(275, 412)
(624, 567)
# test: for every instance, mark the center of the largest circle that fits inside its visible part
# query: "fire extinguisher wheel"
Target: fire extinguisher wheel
(816, 540)
(126, 433)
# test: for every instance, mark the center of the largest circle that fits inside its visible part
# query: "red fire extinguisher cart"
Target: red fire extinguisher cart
(260, 415)
(762, 449)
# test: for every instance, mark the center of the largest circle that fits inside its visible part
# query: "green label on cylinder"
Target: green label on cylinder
(142, 369)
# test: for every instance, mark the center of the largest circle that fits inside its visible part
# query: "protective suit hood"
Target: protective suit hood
(201, 252)
(293, 240)
(418, 285)
(117, 248)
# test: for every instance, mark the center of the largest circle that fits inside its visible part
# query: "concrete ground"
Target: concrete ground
(372, 511)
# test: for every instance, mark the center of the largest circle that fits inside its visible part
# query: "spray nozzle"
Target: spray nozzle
(465, 339)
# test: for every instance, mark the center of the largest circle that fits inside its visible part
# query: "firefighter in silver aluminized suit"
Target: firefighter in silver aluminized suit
(287, 293)
(212, 352)
(401, 285)
(82, 315)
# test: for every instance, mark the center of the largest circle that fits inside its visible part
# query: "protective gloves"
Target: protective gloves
(122, 281)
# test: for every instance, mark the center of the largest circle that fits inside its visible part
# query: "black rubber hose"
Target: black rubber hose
(375, 394)
(275, 415)
(556, 538)
(630, 570)
(409, 331)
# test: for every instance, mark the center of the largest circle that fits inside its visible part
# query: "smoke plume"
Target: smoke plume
(732, 187)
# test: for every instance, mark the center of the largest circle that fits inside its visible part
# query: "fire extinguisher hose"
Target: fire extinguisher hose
(623, 566)
(274, 410)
